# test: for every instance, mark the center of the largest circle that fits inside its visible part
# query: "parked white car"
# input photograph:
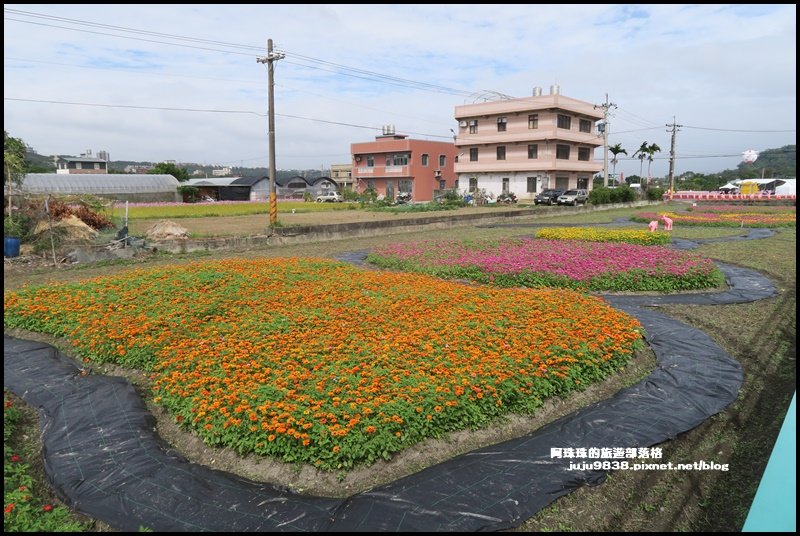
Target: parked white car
(333, 197)
(573, 197)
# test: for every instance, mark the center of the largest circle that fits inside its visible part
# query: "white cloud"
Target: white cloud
(711, 66)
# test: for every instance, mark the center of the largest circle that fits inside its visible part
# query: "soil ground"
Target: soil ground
(760, 335)
(254, 225)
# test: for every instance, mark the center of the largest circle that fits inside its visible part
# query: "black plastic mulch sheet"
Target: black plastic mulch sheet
(752, 234)
(105, 459)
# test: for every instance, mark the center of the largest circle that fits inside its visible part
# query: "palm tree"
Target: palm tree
(651, 151)
(615, 150)
(641, 154)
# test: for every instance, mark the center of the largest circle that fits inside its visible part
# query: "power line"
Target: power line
(136, 71)
(634, 130)
(738, 130)
(91, 24)
(207, 110)
(356, 104)
(322, 64)
(634, 118)
(377, 75)
(129, 37)
(132, 106)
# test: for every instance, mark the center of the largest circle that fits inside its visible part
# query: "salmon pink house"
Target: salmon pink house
(394, 164)
(526, 145)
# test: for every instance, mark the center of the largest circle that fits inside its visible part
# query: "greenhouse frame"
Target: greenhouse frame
(122, 187)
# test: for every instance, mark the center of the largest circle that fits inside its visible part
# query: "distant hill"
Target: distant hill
(38, 163)
(774, 163)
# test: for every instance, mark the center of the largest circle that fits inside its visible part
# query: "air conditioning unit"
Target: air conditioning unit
(462, 124)
(438, 172)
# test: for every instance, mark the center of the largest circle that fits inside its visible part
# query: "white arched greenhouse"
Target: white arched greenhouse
(122, 187)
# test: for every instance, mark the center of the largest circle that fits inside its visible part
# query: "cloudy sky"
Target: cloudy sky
(169, 82)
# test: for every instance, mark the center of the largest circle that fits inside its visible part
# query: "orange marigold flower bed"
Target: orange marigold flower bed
(317, 361)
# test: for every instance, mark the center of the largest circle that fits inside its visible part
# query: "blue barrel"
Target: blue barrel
(11, 247)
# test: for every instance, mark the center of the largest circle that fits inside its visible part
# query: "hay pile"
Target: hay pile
(70, 229)
(167, 230)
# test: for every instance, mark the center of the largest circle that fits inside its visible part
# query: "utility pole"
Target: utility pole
(674, 126)
(604, 128)
(270, 60)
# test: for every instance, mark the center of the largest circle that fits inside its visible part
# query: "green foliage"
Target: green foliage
(348, 194)
(655, 194)
(622, 194)
(13, 227)
(25, 508)
(168, 168)
(639, 281)
(307, 197)
(368, 196)
(386, 206)
(600, 196)
(94, 203)
(190, 194)
(13, 160)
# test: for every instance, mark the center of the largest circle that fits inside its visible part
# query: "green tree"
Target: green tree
(616, 149)
(652, 149)
(168, 168)
(13, 175)
(641, 154)
(13, 161)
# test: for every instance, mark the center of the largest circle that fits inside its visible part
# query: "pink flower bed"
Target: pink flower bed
(576, 260)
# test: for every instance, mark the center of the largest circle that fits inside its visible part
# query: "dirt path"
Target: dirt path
(257, 224)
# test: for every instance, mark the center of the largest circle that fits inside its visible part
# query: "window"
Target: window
(533, 151)
(562, 183)
(397, 160)
(370, 185)
(473, 126)
(562, 152)
(501, 124)
(404, 185)
(370, 161)
(455, 185)
(473, 154)
(584, 153)
(442, 184)
(564, 121)
(473, 184)
(583, 183)
(506, 188)
(425, 160)
(442, 160)
(533, 121)
(501, 152)
(531, 185)
(585, 125)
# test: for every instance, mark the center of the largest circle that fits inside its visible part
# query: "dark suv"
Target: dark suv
(547, 197)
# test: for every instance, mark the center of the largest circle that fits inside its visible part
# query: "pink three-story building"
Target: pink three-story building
(526, 145)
